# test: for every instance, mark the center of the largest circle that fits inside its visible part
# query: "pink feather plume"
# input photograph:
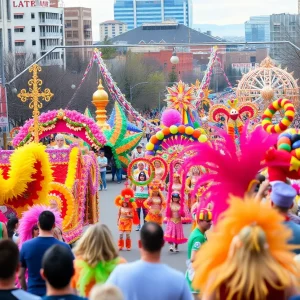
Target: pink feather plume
(30, 219)
(171, 117)
(229, 171)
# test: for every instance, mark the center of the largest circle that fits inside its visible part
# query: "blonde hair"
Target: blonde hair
(247, 253)
(106, 292)
(96, 245)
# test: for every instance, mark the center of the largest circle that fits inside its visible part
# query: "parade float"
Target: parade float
(33, 174)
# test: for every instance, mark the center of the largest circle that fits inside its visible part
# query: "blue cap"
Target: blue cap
(283, 194)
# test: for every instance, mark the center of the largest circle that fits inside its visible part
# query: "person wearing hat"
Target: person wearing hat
(196, 239)
(282, 197)
(138, 153)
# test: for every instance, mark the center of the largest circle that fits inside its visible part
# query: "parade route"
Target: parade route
(108, 216)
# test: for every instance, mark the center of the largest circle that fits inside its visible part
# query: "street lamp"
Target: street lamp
(174, 59)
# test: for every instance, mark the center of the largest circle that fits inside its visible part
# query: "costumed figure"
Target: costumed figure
(159, 172)
(155, 203)
(190, 185)
(234, 115)
(126, 217)
(174, 230)
(247, 255)
(141, 193)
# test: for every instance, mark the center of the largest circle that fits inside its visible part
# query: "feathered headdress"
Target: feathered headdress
(218, 259)
(30, 219)
(229, 170)
(127, 195)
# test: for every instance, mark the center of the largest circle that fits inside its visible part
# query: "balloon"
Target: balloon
(189, 130)
(296, 145)
(149, 146)
(181, 129)
(173, 129)
(202, 138)
(166, 131)
(153, 139)
(196, 134)
(160, 136)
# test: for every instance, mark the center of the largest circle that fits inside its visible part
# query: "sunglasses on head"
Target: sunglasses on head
(35, 228)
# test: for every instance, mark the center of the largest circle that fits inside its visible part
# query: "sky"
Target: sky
(219, 12)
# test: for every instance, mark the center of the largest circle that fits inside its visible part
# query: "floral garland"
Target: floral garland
(73, 120)
(130, 171)
(72, 168)
(60, 192)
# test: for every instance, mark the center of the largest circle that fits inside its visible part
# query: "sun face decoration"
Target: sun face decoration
(181, 97)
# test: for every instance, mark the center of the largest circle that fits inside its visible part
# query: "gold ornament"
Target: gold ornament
(100, 100)
(34, 96)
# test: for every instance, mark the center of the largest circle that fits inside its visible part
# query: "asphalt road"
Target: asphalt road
(108, 216)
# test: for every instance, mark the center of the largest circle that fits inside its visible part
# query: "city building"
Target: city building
(6, 32)
(110, 29)
(257, 29)
(78, 30)
(37, 29)
(283, 27)
(137, 12)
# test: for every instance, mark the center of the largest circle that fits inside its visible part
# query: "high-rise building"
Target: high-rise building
(6, 31)
(257, 29)
(298, 7)
(137, 12)
(78, 30)
(110, 29)
(37, 29)
(283, 27)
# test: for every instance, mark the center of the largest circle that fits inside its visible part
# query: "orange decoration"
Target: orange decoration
(153, 139)
(181, 129)
(196, 134)
(166, 131)
(285, 140)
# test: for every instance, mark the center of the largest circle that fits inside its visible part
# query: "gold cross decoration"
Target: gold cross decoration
(34, 96)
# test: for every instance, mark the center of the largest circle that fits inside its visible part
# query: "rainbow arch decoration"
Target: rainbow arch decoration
(62, 121)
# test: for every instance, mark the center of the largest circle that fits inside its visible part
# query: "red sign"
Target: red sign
(3, 108)
(27, 3)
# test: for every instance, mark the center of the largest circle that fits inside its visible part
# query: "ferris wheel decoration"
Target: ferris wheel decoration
(266, 83)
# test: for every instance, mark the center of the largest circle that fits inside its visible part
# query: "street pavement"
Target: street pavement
(108, 216)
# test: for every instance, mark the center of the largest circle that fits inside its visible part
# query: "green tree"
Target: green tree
(108, 52)
(173, 76)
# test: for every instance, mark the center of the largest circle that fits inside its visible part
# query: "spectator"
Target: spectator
(57, 270)
(102, 162)
(96, 257)
(138, 153)
(12, 227)
(115, 171)
(106, 292)
(9, 267)
(148, 278)
(196, 239)
(282, 197)
(32, 252)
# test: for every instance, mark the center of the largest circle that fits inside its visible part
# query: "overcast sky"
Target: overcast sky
(205, 11)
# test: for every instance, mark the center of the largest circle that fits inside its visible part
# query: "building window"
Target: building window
(32, 16)
(19, 30)
(87, 34)
(19, 44)
(33, 29)
(9, 40)
(18, 16)
(75, 34)
(69, 34)
(74, 23)
(68, 24)
(33, 42)
(33, 56)
(8, 10)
